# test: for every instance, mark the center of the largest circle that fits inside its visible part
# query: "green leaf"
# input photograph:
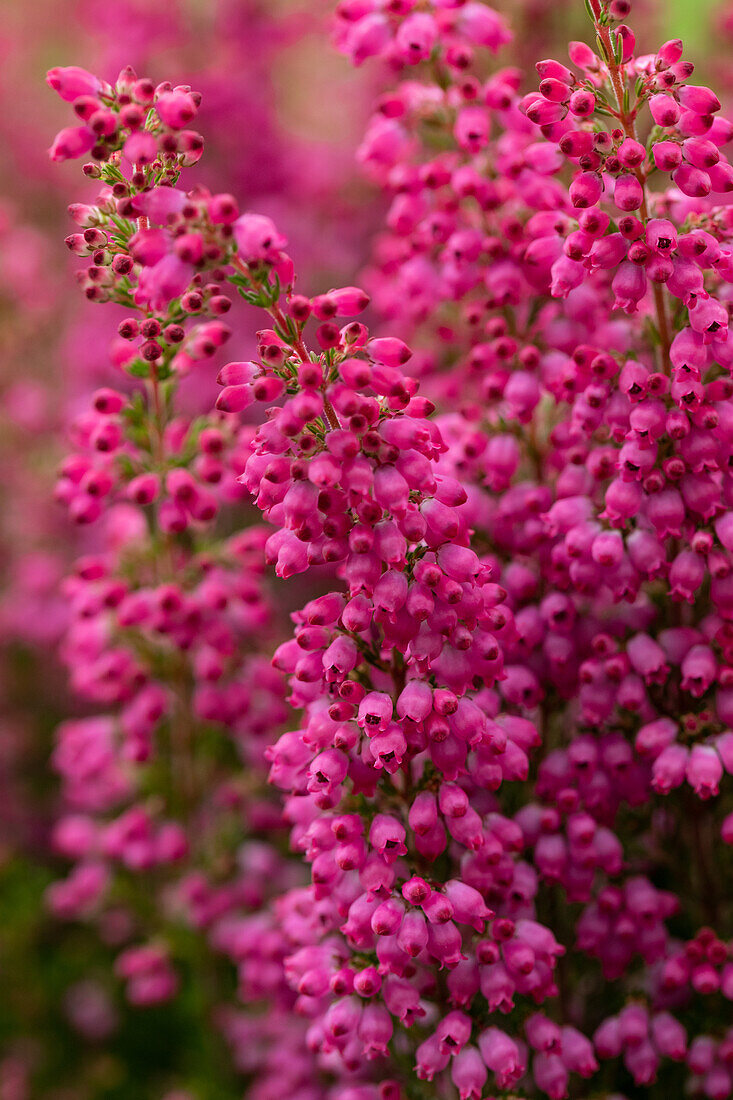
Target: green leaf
(602, 49)
(250, 296)
(138, 368)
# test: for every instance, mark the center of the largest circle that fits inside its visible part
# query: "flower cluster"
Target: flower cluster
(169, 614)
(120, 118)
(591, 504)
(509, 513)
(388, 676)
(406, 37)
(65, 1016)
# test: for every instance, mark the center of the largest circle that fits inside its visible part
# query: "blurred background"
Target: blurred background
(282, 117)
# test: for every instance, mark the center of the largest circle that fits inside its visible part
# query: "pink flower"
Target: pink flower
(71, 143)
(257, 238)
(71, 82)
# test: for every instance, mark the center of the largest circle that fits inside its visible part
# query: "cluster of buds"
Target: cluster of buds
(702, 963)
(169, 616)
(146, 124)
(526, 561)
(404, 36)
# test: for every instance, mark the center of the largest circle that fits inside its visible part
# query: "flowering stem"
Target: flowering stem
(296, 342)
(627, 117)
(182, 742)
(157, 432)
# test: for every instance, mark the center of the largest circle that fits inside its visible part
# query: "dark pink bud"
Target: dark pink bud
(453, 1031)
(389, 350)
(468, 905)
(628, 193)
(375, 711)
(176, 108)
(402, 999)
(567, 274)
(375, 1031)
(647, 658)
(387, 835)
(631, 154)
(699, 100)
(692, 181)
(73, 142)
(585, 190)
(71, 82)
(582, 55)
(415, 701)
(469, 1074)
(342, 1018)
(413, 933)
(445, 944)
(669, 1036)
(709, 317)
(582, 104)
(557, 91)
(576, 143)
(686, 575)
(665, 110)
(642, 1061)
(577, 1052)
(550, 1075)
(704, 770)
(257, 238)
(423, 813)
(667, 155)
(541, 112)
(387, 917)
(608, 251)
(555, 70)
(668, 770)
(144, 488)
(430, 1059)
(671, 51)
(416, 37)
(502, 1055)
(629, 285)
(721, 178)
(628, 43)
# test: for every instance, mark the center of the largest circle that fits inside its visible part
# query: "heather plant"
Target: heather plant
(505, 777)
(55, 356)
(169, 610)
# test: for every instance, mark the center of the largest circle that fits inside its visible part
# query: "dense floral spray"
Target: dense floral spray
(510, 510)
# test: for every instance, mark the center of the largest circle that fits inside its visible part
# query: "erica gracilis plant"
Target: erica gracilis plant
(508, 768)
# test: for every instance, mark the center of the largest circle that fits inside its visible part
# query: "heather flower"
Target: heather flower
(514, 498)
